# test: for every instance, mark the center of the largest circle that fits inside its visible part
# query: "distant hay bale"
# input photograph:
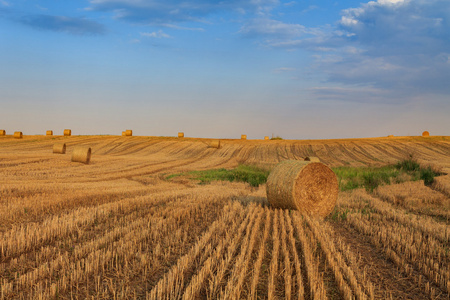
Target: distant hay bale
(124, 133)
(67, 132)
(18, 135)
(266, 138)
(59, 148)
(391, 135)
(215, 144)
(308, 187)
(425, 133)
(81, 154)
(129, 132)
(243, 136)
(181, 134)
(49, 132)
(2, 132)
(312, 159)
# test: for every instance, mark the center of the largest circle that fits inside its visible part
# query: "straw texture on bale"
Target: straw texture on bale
(266, 138)
(49, 132)
(67, 132)
(312, 159)
(243, 136)
(425, 133)
(308, 187)
(81, 154)
(129, 132)
(215, 144)
(180, 134)
(2, 132)
(59, 148)
(18, 134)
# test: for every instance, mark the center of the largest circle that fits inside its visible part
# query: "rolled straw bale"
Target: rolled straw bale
(266, 138)
(309, 187)
(18, 135)
(215, 144)
(312, 159)
(391, 135)
(67, 132)
(129, 132)
(425, 133)
(81, 154)
(59, 148)
(123, 133)
(2, 132)
(49, 132)
(181, 134)
(243, 136)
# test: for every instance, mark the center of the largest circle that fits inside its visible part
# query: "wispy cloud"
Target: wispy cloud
(72, 25)
(156, 34)
(271, 28)
(284, 70)
(4, 3)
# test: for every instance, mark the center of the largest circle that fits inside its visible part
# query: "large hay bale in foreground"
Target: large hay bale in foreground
(312, 159)
(129, 132)
(49, 132)
(18, 134)
(81, 154)
(215, 144)
(181, 134)
(308, 187)
(2, 132)
(67, 132)
(243, 136)
(59, 148)
(425, 133)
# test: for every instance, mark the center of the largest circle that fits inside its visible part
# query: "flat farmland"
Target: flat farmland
(118, 229)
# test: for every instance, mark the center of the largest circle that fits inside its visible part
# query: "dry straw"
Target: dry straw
(391, 135)
(2, 132)
(49, 132)
(18, 134)
(266, 138)
(180, 134)
(425, 133)
(129, 132)
(312, 159)
(59, 148)
(81, 154)
(124, 133)
(309, 187)
(243, 136)
(215, 144)
(67, 132)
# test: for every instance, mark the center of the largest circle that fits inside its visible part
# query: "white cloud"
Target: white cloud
(269, 27)
(156, 34)
(4, 3)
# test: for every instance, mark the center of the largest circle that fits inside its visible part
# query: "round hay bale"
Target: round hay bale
(391, 135)
(124, 133)
(312, 159)
(18, 134)
(2, 132)
(67, 132)
(215, 144)
(181, 134)
(308, 187)
(49, 132)
(81, 154)
(243, 136)
(425, 133)
(59, 148)
(129, 132)
(266, 138)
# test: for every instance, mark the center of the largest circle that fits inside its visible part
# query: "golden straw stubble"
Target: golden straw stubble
(309, 187)
(18, 134)
(67, 132)
(59, 148)
(81, 154)
(312, 159)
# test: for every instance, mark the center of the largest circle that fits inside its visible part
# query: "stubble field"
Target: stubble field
(117, 229)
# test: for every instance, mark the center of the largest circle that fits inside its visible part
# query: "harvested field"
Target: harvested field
(116, 228)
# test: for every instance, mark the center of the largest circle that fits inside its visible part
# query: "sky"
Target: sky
(217, 69)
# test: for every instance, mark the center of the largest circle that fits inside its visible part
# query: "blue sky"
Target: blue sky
(298, 69)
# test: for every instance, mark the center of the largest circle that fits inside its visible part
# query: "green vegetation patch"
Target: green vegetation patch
(245, 173)
(371, 177)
